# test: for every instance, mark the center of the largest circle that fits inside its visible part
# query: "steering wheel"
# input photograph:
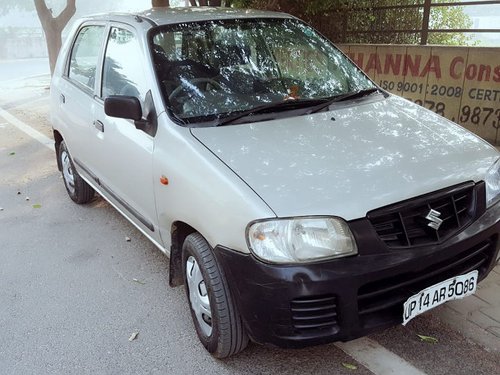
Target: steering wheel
(195, 82)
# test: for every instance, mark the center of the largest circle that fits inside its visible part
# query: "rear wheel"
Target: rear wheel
(214, 313)
(78, 190)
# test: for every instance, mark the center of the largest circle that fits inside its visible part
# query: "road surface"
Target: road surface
(21, 68)
(74, 289)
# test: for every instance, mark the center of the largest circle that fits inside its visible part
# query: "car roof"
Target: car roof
(163, 16)
(174, 15)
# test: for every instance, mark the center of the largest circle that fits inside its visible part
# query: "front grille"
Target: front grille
(405, 224)
(386, 297)
(314, 313)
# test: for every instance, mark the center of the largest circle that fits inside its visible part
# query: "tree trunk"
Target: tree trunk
(160, 3)
(200, 3)
(212, 3)
(53, 27)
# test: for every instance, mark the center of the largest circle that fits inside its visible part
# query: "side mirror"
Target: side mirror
(127, 107)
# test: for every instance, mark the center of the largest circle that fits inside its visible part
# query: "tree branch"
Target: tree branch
(43, 12)
(67, 13)
(160, 3)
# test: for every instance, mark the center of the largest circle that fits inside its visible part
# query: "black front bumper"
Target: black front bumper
(342, 299)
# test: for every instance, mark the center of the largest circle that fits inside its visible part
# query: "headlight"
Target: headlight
(300, 240)
(493, 184)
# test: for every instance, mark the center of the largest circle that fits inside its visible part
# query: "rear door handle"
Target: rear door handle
(99, 125)
(62, 98)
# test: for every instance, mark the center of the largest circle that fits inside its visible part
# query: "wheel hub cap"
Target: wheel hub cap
(198, 296)
(67, 170)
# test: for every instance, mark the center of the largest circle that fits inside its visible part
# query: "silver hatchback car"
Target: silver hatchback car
(298, 202)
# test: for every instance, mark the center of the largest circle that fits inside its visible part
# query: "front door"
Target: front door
(122, 154)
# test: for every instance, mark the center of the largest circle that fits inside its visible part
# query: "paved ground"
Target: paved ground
(478, 316)
(11, 70)
(73, 290)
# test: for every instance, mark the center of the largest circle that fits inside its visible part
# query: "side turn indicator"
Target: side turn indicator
(164, 180)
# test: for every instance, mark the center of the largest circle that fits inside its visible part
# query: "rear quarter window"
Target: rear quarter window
(85, 55)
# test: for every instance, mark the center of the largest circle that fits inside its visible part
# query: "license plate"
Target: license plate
(454, 288)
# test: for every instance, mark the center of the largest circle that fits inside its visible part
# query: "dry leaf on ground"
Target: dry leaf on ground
(428, 339)
(133, 336)
(349, 366)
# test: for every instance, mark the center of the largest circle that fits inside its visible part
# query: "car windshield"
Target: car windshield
(212, 70)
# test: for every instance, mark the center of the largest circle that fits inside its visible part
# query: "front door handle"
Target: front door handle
(99, 125)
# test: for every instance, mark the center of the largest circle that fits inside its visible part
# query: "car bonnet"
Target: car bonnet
(348, 161)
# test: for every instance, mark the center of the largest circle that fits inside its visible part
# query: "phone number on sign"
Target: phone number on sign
(486, 116)
(473, 115)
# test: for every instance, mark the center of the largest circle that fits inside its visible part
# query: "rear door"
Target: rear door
(122, 154)
(76, 90)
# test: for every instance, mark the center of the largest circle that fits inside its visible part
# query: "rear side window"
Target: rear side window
(85, 55)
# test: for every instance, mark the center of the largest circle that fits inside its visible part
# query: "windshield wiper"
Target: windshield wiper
(313, 105)
(348, 96)
(270, 107)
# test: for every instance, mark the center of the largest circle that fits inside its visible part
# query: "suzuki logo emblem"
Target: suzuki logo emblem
(435, 221)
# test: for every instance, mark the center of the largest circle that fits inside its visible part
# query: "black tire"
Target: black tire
(78, 190)
(227, 336)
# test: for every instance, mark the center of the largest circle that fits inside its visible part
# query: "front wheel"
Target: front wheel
(78, 190)
(215, 316)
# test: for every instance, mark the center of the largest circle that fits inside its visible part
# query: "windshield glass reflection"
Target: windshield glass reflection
(214, 69)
